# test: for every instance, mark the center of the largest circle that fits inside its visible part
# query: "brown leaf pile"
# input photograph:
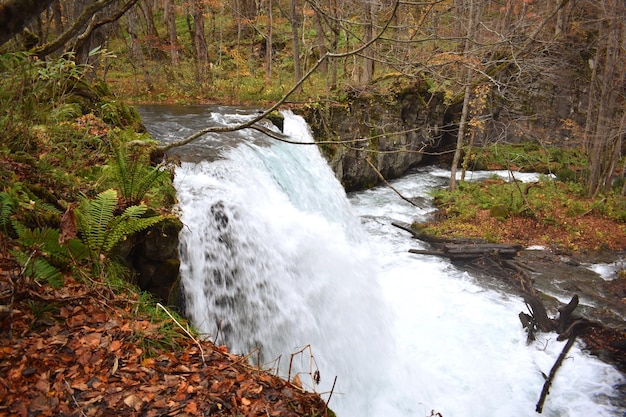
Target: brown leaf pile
(75, 352)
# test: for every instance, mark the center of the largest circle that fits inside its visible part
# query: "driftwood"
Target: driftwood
(455, 251)
(567, 326)
(546, 386)
(435, 241)
(462, 249)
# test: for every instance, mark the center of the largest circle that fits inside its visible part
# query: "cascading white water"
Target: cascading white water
(272, 257)
(275, 256)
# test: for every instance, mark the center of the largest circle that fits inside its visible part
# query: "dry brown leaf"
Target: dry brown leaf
(116, 364)
(296, 382)
(68, 225)
(133, 402)
(191, 407)
(92, 339)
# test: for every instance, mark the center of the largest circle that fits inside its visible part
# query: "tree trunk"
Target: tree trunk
(268, 43)
(136, 49)
(365, 71)
(170, 19)
(202, 54)
(295, 41)
(603, 133)
(320, 42)
(466, 98)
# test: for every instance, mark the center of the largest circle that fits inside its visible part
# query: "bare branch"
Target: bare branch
(87, 14)
(93, 25)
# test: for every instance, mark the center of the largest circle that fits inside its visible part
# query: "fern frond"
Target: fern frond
(38, 268)
(129, 223)
(19, 228)
(44, 271)
(31, 201)
(133, 175)
(93, 218)
(7, 206)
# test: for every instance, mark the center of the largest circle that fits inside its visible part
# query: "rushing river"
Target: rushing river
(276, 257)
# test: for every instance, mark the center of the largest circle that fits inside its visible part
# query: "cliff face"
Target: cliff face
(390, 131)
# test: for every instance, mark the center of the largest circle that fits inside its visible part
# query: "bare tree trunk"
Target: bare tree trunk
(136, 49)
(170, 19)
(146, 7)
(296, 20)
(57, 17)
(202, 54)
(603, 136)
(268, 42)
(364, 71)
(320, 42)
(466, 98)
(336, 36)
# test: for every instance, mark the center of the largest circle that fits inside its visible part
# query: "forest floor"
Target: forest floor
(82, 350)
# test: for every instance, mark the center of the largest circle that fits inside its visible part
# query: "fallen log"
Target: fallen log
(432, 239)
(456, 251)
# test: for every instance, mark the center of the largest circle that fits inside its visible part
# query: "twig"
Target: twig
(184, 330)
(383, 179)
(332, 389)
(74, 398)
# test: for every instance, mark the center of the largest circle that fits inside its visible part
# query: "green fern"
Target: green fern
(7, 207)
(133, 175)
(37, 267)
(21, 203)
(47, 242)
(131, 221)
(93, 218)
(102, 229)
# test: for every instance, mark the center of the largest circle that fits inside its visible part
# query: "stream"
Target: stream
(277, 260)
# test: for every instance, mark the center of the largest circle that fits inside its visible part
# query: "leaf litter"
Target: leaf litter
(82, 350)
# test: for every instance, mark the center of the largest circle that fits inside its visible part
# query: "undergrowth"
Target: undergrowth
(72, 186)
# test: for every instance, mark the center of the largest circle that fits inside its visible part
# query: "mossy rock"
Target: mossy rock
(500, 211)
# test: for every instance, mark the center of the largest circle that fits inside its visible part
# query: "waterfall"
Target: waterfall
(273, 258)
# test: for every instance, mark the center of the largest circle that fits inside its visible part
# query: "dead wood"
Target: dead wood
(432, 239)
(546, 386)
(565, 314)
(456, 251)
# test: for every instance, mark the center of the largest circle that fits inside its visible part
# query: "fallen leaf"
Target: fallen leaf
(296, 382)
(134, 402)
(92, 339)
(116, 364)
(191, 408)
(115, 345)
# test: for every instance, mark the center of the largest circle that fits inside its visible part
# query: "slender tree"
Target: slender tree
(604, 127)
(296, 21)
(202, 52)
